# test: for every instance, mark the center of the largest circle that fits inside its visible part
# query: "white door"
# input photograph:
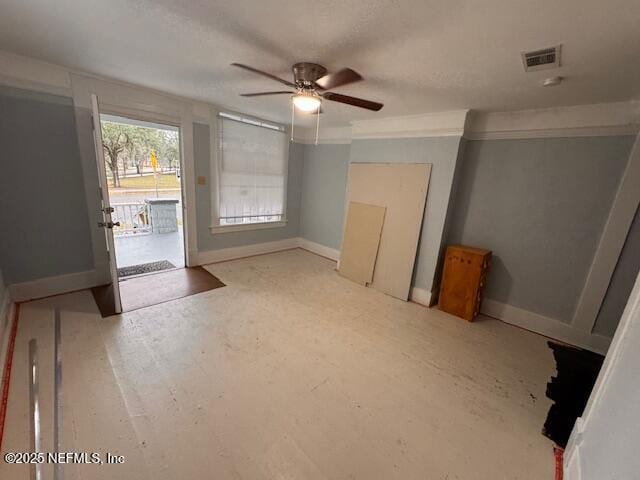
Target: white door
(106, 209)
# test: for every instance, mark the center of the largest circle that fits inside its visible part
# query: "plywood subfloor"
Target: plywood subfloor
(402, 189)
(289, 372)
(359, 250)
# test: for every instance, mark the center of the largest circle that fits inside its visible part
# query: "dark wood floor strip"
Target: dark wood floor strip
(147, 290)
(103, 296)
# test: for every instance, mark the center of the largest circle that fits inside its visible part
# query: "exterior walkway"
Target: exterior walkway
(138, 249)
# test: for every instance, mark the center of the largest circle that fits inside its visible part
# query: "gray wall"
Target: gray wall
(209, 241)
(324, 185)
(622, 281)
(540, 205)
(442, 153)
(325, 180)
(317, 190)
(44, 215)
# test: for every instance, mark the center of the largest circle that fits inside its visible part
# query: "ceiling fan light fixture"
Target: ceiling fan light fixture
(306, 102)
(308, 78)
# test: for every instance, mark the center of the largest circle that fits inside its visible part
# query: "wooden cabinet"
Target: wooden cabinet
(463, 280)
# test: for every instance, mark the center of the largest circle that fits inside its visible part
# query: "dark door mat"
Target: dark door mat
(577, 371)
(145, 268)
(148, 290)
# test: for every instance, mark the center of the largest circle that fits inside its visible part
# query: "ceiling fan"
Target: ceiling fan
(312, 84)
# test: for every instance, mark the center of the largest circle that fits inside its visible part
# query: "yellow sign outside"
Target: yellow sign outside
(154, 160)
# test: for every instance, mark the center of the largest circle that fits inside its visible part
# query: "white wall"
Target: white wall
(605, 440)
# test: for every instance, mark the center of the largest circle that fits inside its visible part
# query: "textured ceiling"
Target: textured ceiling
(416, 56)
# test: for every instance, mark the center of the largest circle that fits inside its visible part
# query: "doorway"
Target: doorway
(144, 182)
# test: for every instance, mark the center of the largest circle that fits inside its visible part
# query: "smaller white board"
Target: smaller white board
(361, 240)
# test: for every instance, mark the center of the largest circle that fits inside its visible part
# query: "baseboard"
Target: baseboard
(572, 452)
(232, 253)
(328, 252)
(45, 287)
(572, 466)
(420, 295)
(545, 325)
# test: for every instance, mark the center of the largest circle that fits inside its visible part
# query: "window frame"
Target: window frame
(216, 149)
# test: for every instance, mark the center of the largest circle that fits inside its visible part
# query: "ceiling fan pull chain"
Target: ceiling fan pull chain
(317, 123)
(293, 116)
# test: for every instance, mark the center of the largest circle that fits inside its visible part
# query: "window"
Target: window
(252, 172)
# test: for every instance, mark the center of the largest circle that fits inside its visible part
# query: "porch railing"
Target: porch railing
(133, 218)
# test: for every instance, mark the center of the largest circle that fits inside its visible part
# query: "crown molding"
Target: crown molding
(441, 124)
(32, 74)
(27, 73)
(602, 119)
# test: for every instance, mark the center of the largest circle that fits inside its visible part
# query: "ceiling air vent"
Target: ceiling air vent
(541, 59)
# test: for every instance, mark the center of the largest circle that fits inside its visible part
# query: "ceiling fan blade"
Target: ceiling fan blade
(356, 102)
(337, 79)
(264, 74)
(260, 94)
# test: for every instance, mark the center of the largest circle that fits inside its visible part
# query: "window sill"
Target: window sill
(246, 227)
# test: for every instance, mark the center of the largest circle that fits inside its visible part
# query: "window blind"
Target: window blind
(252, 171)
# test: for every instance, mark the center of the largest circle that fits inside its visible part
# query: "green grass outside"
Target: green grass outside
(168, 180)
